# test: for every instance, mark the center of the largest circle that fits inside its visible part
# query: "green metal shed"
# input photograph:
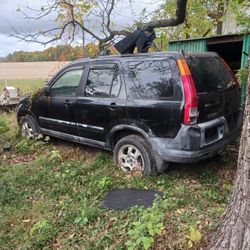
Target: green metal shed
(234, 48)
(189, 45)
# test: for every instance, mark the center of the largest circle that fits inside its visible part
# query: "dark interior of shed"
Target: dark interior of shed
(230, 51)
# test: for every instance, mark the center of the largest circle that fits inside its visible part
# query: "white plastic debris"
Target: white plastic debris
(9, 96)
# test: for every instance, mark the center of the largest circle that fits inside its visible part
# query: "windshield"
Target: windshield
(210, 74)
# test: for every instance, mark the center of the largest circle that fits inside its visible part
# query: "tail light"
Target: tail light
(191, 100)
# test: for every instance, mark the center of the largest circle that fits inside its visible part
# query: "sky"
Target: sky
(11, 20)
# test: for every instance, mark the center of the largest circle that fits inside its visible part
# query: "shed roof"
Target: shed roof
(218, 38)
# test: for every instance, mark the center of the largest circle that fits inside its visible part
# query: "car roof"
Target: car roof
(142, 55)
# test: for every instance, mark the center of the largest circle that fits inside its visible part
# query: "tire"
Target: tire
(29, 127)
(133, 154)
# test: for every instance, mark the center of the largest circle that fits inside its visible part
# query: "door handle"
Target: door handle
(67, 104)
(112, 106)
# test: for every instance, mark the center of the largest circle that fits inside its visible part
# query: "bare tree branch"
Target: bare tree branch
(109, 15)
(68, 16)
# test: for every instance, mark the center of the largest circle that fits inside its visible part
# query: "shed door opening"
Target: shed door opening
(230, 51)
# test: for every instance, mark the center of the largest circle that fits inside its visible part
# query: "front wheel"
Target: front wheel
(28, 127)
(133, 154)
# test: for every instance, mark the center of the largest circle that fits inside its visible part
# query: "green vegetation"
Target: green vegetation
(208, 14)
(25, 85)
(58, 53)
(3, 126)
(50, 196)
(148, 224)
(242, 75)
(241, 9)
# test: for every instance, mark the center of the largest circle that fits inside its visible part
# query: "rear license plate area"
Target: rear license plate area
(213, 134)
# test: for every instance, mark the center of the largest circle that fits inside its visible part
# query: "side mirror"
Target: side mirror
(47, 90)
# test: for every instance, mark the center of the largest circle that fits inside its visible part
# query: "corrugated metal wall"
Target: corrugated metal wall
(246, 49)
(197, 45)
(244, 57)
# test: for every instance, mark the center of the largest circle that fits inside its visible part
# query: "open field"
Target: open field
(28, 76)
(50, 194)
(25, 85)
(29, 70)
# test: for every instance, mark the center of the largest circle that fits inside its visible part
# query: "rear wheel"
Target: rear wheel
(133, 154)
(28, 127)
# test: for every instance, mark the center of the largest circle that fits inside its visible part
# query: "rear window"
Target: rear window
(210, 74)
(152, 78)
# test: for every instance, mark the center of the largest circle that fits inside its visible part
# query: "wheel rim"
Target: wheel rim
(130, 159)
(27, 130)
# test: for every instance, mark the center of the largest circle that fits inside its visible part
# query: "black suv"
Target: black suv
(150, 108)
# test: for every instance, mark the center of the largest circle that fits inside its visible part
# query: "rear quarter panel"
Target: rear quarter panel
(159, 117)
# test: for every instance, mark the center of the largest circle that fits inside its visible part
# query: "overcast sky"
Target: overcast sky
(9, 18)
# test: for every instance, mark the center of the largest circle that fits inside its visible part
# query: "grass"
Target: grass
(53, 199)
(50, 196)
(25, 85)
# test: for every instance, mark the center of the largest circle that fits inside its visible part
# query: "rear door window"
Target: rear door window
(103, 81)
(210, 74)
(152, 78)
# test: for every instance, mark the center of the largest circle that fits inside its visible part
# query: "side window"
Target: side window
(68, 83)
(103, 82)
(152, 78)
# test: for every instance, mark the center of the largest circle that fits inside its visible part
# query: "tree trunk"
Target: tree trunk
(221, 10)
(219, 28)
(233, 232)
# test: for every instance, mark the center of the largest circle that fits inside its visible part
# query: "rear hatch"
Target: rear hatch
(217, 89)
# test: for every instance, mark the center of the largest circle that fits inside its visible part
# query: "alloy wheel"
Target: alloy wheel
(27, 131)
(130, 159)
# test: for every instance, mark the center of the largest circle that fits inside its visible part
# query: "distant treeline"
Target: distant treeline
(58, 53)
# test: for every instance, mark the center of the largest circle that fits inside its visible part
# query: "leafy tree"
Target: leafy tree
(203, 18)
(58, 53)
(241, 8)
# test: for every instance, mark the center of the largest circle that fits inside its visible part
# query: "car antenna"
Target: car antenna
(187, 56)
(183, 53)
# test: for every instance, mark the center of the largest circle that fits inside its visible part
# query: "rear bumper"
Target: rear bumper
(197, 142)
